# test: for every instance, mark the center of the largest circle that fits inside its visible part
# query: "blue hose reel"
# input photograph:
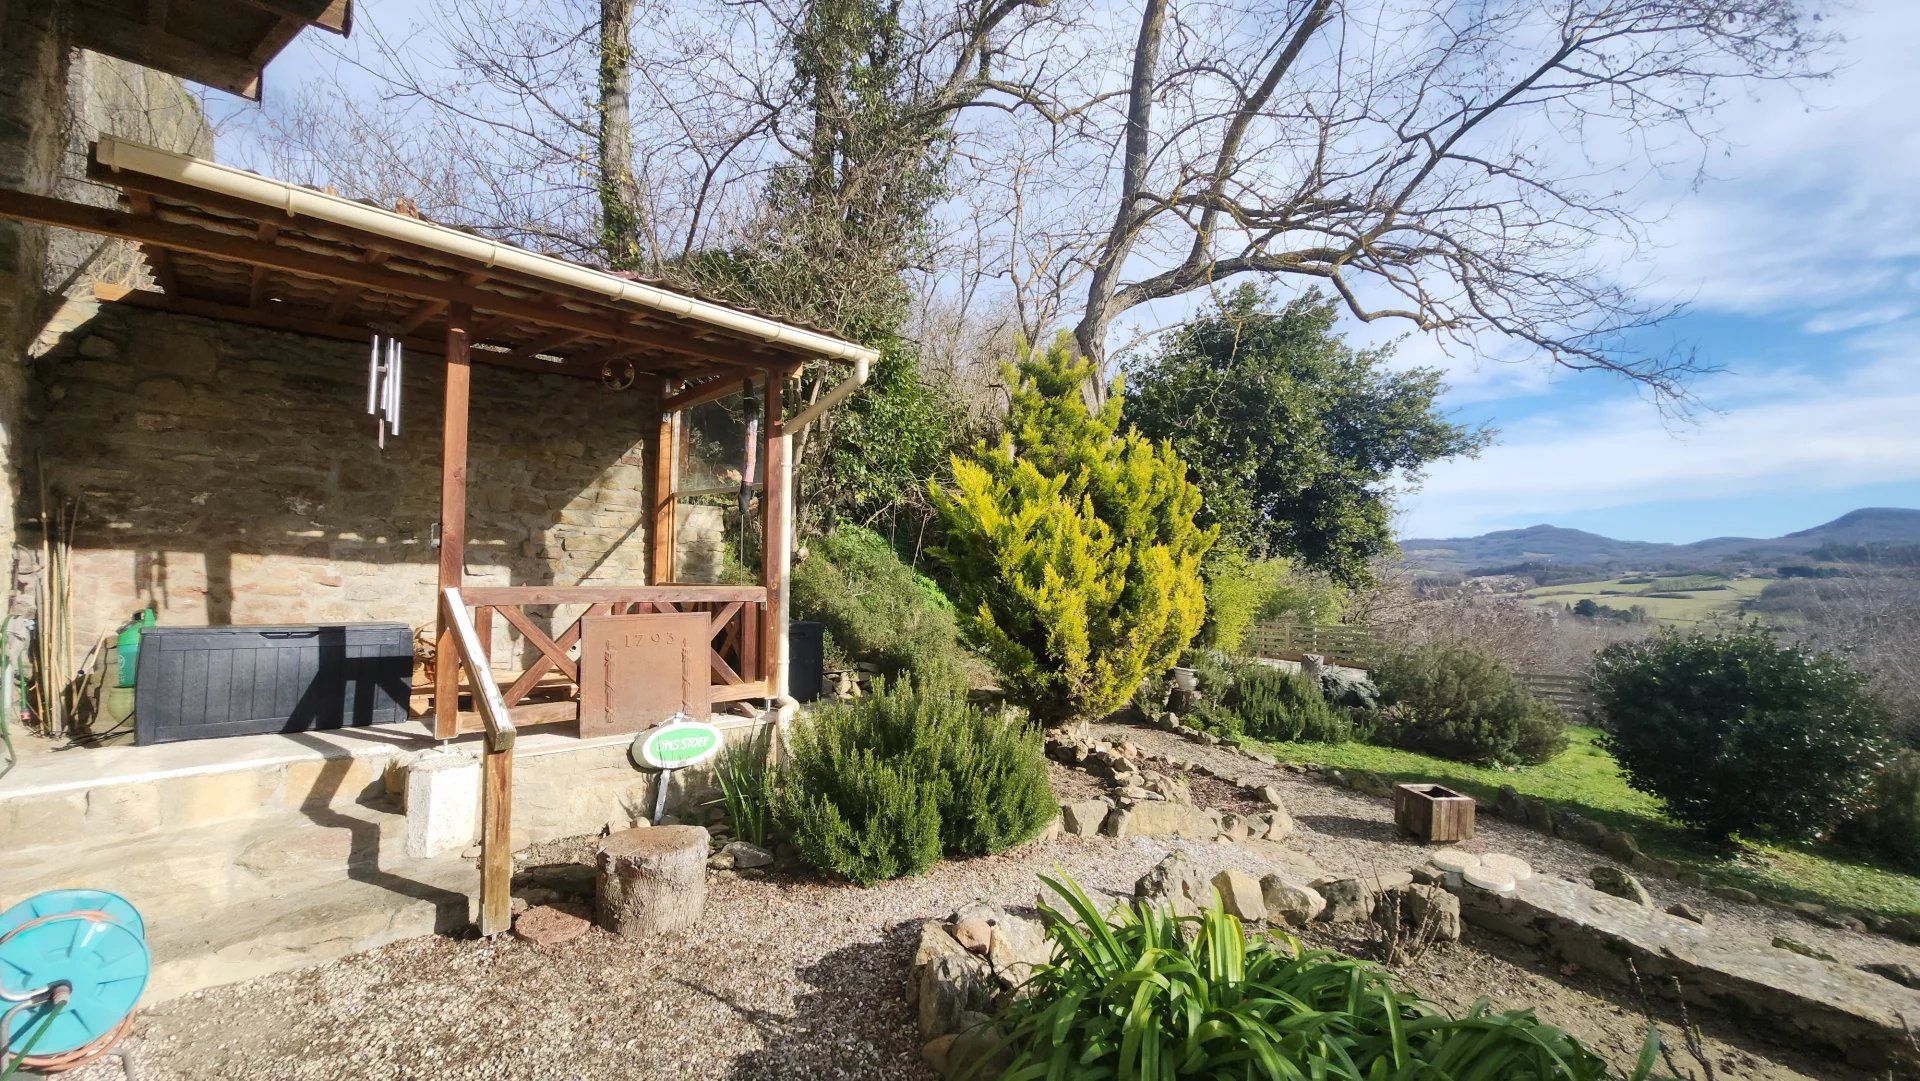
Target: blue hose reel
(73, 963)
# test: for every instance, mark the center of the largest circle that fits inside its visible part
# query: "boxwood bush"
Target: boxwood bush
(1738, 732)
(1276, 704)
(880, 787)
(1891, 822)
(1457, 702)
(1154, 996)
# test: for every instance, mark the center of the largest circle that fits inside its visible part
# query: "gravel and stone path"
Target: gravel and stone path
(1344, 829)
(791, 977)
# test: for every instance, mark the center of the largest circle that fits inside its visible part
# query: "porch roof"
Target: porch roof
(224, 44)
(226, 243)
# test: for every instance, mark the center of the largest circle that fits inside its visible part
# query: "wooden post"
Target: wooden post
(660, 569)
(453, 516)
(776, 540)
(496, 841)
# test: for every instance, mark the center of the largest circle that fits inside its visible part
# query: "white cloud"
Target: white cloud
(1794, 433)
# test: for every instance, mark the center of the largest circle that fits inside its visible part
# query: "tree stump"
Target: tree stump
(652, 880)
(1313, 666)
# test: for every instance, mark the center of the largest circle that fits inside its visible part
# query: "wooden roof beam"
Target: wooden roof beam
(157, 259)
(279, 317)
(257, 276)
(149, 46)
(334, 16)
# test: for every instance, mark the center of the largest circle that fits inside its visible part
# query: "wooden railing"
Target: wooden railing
(1357, 646)
(547, 673)
(1568, 692)
(496, 770)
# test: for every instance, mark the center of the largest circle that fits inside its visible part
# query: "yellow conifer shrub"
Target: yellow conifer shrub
(1071, 547)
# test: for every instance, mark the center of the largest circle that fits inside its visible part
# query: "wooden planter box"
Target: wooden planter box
(1433, 813)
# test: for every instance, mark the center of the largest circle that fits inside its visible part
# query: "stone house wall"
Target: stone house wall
(227, 474)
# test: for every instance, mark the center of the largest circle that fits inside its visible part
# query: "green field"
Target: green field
(1673, 598)
(1587, 781)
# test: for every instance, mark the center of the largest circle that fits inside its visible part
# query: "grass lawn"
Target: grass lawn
(1586, 780)
(1689, 598)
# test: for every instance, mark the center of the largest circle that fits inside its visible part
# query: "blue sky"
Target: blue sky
(1799, 262)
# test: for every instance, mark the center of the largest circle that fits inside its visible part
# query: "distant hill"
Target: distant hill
(1547, 544)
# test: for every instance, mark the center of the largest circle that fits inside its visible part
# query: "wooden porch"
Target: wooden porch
(229, 245)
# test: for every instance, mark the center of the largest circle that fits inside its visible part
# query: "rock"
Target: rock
(1610, 879)
(1802, 1001)
(1270, 795)
(974, 935)
(936, 1052)
(1177, 883)
(1346, 689)
(1011, 944)
(740, 856)
(1736, 894)
(1171, 789)
(1082, 818)
(1540, 815)
(1794, 945)
(1132, 792)
(979, 1049)
(1348, 898)
(950, 987)
(1687, 912)
(1904, 975)
(1621, 846)
(1170, 721)
(1370, 784)
(1279, 825)
(550, 925)
(1234, 827)
(1161, 820)
(1579, 828)
(1240, 895)
(1289, 902)
(1434, 910)
(1510, 804)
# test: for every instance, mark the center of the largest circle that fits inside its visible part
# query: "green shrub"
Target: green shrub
(1208, 715)
(1276, 704)
(1459, 703)
(1737, 732)
(1238, 589)
(1071, 548)
(879, 788)
(875, 608)
(1154, 996)
(1891, 823)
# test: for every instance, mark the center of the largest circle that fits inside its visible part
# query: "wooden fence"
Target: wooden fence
(1356, 647)
(1361, 647)
(1568, 692)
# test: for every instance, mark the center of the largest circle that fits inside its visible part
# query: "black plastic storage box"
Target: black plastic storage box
(806, 659)
(205, 682)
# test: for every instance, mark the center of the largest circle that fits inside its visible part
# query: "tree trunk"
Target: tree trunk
(652, 880)
(619, 195)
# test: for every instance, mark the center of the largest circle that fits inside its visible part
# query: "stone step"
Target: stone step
(316, 919)
(222, 864)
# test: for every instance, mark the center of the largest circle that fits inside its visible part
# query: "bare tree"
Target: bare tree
(1459, 165)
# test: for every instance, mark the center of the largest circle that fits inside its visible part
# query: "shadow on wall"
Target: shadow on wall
(227, 474)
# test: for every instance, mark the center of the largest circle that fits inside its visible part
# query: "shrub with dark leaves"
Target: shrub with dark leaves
(1737, 732)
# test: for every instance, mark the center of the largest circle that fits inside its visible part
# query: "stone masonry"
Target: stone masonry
(227, 474)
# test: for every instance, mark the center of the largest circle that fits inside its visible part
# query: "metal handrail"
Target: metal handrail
(486, 694)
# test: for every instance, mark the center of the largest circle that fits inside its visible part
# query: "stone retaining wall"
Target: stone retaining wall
(230, 475)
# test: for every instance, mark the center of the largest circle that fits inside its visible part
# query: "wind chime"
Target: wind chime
(384, 365)
(751, 405)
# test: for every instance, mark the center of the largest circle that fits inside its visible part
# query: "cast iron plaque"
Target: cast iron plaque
(637, 671)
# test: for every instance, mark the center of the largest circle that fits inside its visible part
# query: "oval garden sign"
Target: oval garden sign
(684, 742)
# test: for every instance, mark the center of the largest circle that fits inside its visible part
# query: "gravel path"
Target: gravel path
(791, 977)
(1345, 830)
